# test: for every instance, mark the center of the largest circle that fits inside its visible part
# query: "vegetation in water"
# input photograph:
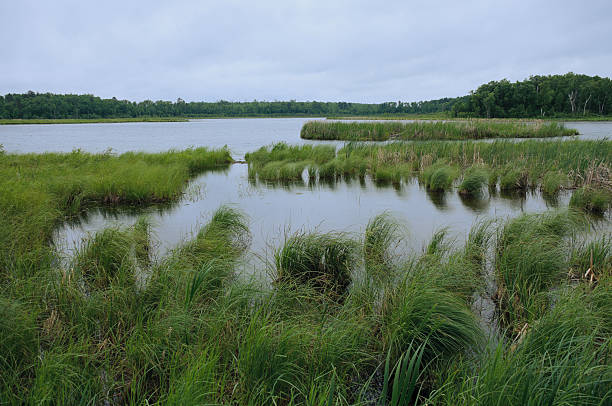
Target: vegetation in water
(592, 200)
(431, 130)
(549, 165)
(348, 319)
(474, 181)
(41, 190)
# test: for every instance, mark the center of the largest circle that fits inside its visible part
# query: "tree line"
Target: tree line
(61, 106)
(538, 96)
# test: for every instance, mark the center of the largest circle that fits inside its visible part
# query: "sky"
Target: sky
(358, 51)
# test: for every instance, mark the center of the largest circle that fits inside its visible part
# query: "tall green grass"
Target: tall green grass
(592, 200)
(431, 130)
(40, 190)
(322, 261)
(532, 257)
(351, 319)
(381, 235)
(550, 165)
(563, 358)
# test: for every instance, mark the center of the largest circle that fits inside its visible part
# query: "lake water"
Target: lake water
(273, 210)
(240, 135)
(276, 210)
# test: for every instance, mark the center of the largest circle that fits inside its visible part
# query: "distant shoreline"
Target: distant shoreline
(185, 119)
(19, 121)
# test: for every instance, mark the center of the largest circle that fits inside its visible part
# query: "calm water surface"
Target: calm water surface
(273, 210)
(240, 135)
(276, 210)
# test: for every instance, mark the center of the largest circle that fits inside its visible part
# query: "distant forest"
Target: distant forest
(539, 96)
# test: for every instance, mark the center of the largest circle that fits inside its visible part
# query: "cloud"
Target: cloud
(360, 51)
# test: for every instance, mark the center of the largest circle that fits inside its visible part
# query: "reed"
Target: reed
(431, 130)
(550, 165)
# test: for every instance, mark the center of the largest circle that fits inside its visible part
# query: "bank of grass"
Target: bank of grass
(548, 165)
(532, 257)
(41, 190)
(348, 320)
(90, 120)
(431, 130)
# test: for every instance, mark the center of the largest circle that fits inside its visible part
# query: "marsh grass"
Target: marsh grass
(514, 179)
(439, 177)
(531, 258)
(562, 359)
(41, 190)
(380, 238)
(474, 180)
(435, 130)
(592, 200)
(553, 182)
(515, 166)
(322, 261)
(119, 326)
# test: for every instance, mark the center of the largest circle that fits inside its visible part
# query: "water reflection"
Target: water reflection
(478, 204)
(438, 198)
(326, 205)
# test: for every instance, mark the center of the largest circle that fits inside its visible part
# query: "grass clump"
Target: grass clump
(514, 179)
(322, 261)
(432, 130)
(592, 200)
(223, 239)
(531, 257)
(474, 180)
(381, 235)
(107, 258)
(419, 313)
(552, 182)
(439, 177)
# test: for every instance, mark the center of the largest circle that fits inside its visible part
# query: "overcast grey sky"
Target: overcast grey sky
(362, 51)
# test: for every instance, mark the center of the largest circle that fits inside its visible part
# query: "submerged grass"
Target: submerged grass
(433, 130)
